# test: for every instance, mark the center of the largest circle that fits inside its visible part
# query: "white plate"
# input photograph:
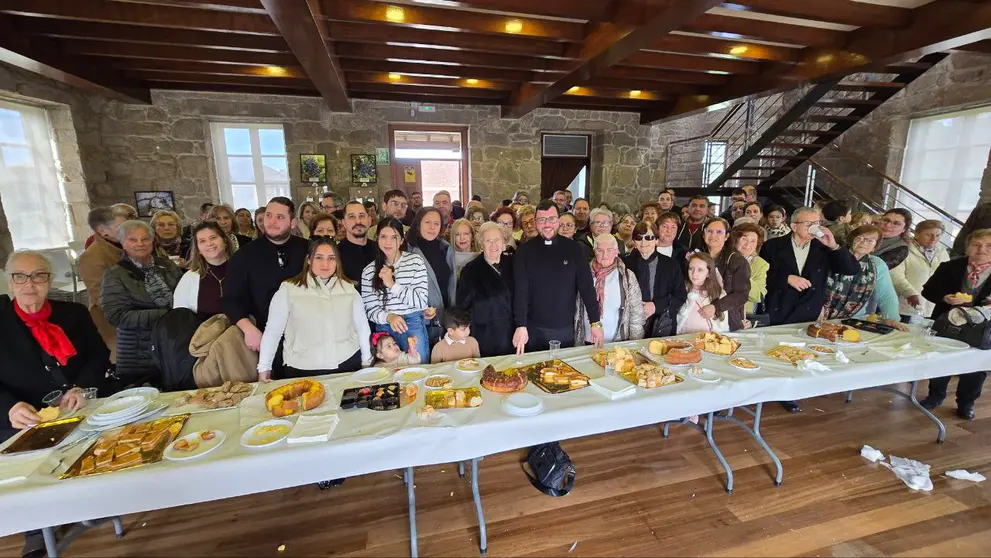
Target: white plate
(250, 433)
(373, 375)
(481, 366)
(149, 392)
(121, 407)
(830, 352)
(706, 375)
(205, 447)
(445, 376)
(411, 375)
(87, 426)
(745, 369)
(948, 343)
(522, 404)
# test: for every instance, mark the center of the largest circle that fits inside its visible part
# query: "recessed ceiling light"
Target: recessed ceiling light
(635, 93)
(277, 71)
(395, 77)
(514, 26)
(717, 72)
(471, 81)
(824, 58)
(739, 50)
(395, 13)
(574, 89)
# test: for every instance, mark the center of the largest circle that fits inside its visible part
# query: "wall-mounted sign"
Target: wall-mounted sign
(382, 155)
(409, 174)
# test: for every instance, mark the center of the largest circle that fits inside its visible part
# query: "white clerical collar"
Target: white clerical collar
(447, 337)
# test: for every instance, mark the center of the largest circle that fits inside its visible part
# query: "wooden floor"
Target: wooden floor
(636, 495)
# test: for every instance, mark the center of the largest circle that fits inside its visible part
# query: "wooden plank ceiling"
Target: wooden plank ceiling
(661, 58)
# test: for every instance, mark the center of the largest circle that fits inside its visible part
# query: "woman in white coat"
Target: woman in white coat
(321, 316)
(925, 253)
(201, 288)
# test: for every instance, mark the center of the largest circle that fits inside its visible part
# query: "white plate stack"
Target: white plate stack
(522, 404)
(120, 411)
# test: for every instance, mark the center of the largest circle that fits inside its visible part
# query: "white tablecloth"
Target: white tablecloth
(368, 441)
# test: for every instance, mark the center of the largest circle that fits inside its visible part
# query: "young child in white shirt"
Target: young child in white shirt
(704, 287)
(388, 353)
(458, 343)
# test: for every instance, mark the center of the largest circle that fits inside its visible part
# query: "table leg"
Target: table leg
(461, 469)
(411, 494)
(719, 455)
(758, 437)
(849, 396)
(118, 527)
(911, 396)
(482, 537)
(51, 544)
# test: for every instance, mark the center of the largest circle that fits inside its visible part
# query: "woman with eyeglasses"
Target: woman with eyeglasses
(135, 293)
(617, 290)
(870, 289)
(748, 238)
(893, 248)
(395, 289)
(662, 284)
(734, 272)
(485, 289)
(567, 225)
(506, 218)
(322, 318)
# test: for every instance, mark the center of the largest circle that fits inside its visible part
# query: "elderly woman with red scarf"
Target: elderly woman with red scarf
(618, 292)
(46, 346)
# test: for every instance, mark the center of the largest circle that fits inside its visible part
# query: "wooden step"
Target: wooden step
(832, 118)
(848, 103)
(780, 157)
(809, 132)
(791, 145)
(907, 67)
(869, 86)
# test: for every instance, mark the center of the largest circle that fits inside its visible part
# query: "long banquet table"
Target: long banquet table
(368, 441)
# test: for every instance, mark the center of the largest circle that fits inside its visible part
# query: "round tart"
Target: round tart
(294, 397)
(507, 381)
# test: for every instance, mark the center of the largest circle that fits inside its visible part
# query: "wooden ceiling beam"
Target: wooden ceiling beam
(451, 19)
(207, 68)
(607, 46)
(383, 52)
(129, 13)
(302, 26)
(617, 103)
(846, 12)
(230, 88)
(421, 97)
(42, 55)
(193, 77)
(112, 32)
(437, 70)
(244, 6)
(724, 26)
(935, 27)
(671, 61)
(642, 97)
(673, 76)
(86, 47)
(738, 49)
(377, 33)
(470, 83)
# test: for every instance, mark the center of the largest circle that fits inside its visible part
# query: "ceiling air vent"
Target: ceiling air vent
(565, 145)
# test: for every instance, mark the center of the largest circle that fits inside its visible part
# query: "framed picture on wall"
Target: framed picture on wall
(363, 169)
(147, 203)
(313, 167)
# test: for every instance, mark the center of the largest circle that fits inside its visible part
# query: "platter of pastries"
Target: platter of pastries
(225, 396)
(620, 358)
(650, 376)
(132, 446)
(794, 355)
(43, 436)
(192, 446)
(662, 346)
(712, 342)
(688, 355)
(556, 376)
(439, 381)
(834, 333)
(505, 381)
(295, 397)
(822, 349)
(463, 398)
(382, 397)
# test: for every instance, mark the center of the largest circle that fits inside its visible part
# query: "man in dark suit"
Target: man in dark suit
(968, 276)
(800, 264)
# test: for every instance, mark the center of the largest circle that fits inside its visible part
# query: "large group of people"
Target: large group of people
(328, 287)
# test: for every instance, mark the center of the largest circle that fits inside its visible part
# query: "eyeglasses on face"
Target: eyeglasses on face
(604, 251)
(717, 232)
(37, 277)
(808, 223)
(542, 220)
(890, 221)
(647, 237)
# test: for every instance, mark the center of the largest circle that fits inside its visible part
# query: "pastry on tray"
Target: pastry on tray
(506, 381)
(712, 342)
(662, 346)
(688, 355)
(833, 332)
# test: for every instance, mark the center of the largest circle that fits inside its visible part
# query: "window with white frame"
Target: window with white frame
(945, 157)
(32, 194)
(251, 163)
(713, 161)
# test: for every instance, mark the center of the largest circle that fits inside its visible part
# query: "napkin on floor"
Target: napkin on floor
(17, 468)
(309, 429)
(913, 473)
(966, 475)
(871, 454)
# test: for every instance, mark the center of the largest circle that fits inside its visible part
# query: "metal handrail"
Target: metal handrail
(842, 183)
(898, 185)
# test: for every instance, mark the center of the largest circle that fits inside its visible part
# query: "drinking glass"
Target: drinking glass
(555, 347)
(53, 398)
(90, 394)
(760, 339)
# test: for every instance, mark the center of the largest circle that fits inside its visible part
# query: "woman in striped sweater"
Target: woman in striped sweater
(394, 289)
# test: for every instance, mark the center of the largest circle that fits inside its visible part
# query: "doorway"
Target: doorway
(429, 158)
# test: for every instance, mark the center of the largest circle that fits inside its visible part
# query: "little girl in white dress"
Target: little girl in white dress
(704, 285)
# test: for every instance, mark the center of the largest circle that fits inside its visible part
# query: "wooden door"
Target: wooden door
(407, 175)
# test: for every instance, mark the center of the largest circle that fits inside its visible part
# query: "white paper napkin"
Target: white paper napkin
(966, 475)
(309, 429)
(914, 474)
(17, 468)
(613, 387)
(792, 344)
(810, 365)
(871, 454)
(841, 358)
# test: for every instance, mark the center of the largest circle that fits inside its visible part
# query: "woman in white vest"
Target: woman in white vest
(322, 318)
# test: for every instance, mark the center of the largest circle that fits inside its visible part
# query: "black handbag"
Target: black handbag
(970, 325)
(549, 469)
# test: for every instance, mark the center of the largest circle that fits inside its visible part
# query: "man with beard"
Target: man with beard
(561, 199)
(415, 203)
(395, 205)
(442, 201)
(550, 272)
(690, 236)
(257, 270)
(356, 251)
(581, 211)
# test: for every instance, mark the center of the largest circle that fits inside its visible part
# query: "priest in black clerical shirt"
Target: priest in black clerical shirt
(550, 272)
(257, 270)
(357, 250)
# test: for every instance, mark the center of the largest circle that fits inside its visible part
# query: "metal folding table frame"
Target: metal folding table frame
(411, 495)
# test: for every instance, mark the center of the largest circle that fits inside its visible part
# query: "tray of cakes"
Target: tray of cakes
(832, 332)
(381, 397)
(661, 347)
(790, 354)
(712, 342)
(650, 375)
(132, 446)
(620, 358)
(458, 398)
(505, 381)
(556, 376)
(225, 396)
(295, 397)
